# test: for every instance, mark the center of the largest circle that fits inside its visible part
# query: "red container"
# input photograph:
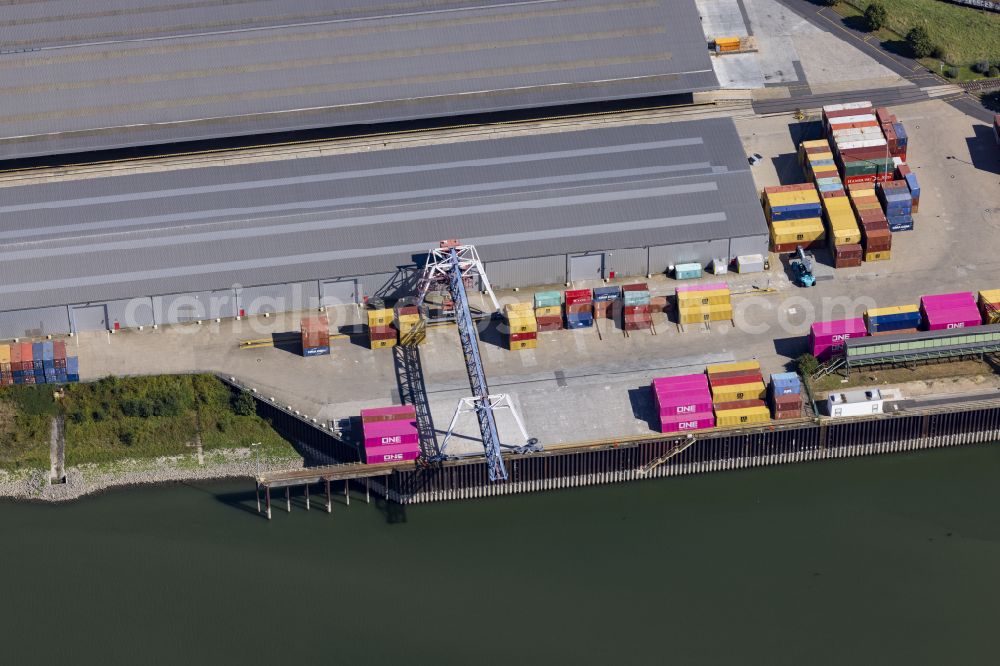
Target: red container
(517, 337)
(27, 361)
(786, 415)
(782, 248)
(578, 308)
(59, 353)
(638, 286)
(736, 377)
(833, 194)
(381, 333)
(549, 326)
(396, 413)
(636, 309)
(847, 256)
(799, 187)
(738, 404)
(578, 296)
(29, 379)
(788, 401)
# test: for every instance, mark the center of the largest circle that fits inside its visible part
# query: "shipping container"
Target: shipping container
(745, 416)
(394, 413)
(392, 454)
(548, 299)
(828, 337)
(687, 271)
(735, 392)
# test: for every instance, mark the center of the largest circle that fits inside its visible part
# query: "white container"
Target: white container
(720, 266)
(855, 403)
(750, 263)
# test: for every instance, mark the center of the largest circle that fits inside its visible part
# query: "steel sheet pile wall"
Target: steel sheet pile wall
(632, 461)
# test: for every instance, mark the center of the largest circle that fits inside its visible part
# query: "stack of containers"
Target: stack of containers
(548, 311)
(16, 367)
(904, 173)
(684, 403)
(860, 148)
(895, 134)
(635, 307)
(733, 382)
(827, 338)
(390, 434)
(315, 335)
(49, 362)
(579, 308)
(407, 321)
(876, 238)
(687, 271)
(741, 412)
(958, 310)
(522, 327)
(816, 160)
(704, 302)
(59, 353)
(896, 319)
(897, 203)
(6, 376)
(794, 214)
(605, 301)
(38, 361)
(786, 396)
(842, 230)
(989, 306)
(381, 334)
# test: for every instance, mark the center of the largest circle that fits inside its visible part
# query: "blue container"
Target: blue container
(897, 322)
(73, 366)
(48, 353)
(603, 294)
(18, 374)
(796, 212)
(579, 323)
(901, 223)
(19, 380)
(682, 272)
(832, 187)
(48, 365)
(911, 182)
(785, 378)
(36, 355)
(316, 351)
(73, 378)
(902, 138)
(816, 163)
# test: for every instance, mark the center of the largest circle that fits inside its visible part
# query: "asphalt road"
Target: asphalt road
(827, 19)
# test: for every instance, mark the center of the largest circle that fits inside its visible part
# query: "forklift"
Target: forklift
(802, 268)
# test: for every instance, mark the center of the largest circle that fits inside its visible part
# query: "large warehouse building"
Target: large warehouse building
(286, 235)
(80, 75)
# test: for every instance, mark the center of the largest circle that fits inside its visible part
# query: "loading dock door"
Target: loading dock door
(586, 267)
(89, 318)
(339, 292)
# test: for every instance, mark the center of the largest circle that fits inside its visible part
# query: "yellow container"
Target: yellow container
(406, 326)
(746, 416)
(739, 366)
(412, 337)
(408, 318)
(895, 309)
(703, 298)
(989, 296)
(379, 317)
(5, 355)
(705, 313)
(734, 392)
(381, 344)
(815, 143)
(881, 255)
(517, 345)
(801, 235)
(549, 311)
(525, 308)
(522, 325)
(727, 41)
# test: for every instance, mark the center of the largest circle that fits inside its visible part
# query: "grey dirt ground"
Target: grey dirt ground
(579, 385)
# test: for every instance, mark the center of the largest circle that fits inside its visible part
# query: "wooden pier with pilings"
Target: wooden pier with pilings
(324, 476)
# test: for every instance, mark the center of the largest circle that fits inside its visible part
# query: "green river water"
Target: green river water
(890, 560)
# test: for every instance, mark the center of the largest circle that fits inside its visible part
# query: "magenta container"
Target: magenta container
(389, 454)
(943, 311)
(388, 433)
(828, 337)
(680, 383)
(712, 286)
(688, 423)
(685, 408)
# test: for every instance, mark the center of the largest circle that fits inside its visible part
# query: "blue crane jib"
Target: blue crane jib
(477, 376)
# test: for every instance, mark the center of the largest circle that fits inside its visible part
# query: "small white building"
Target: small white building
(855, 403)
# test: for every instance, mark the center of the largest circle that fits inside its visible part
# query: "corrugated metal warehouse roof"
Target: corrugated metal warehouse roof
(81, 75)
(369, 213)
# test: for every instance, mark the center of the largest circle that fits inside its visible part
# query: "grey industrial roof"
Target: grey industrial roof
(371, 212)
(80, 75)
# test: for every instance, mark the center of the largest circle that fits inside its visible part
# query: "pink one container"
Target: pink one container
(680, 383)
(688, 422)
(395, 453)
(713, 286)
(684, 405)
(390, 433)
(828, 337)
(682, 395)
(944, 311)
